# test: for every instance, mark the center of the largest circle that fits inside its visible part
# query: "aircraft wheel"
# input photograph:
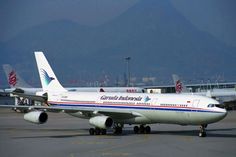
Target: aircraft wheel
(147, 129)
(91, 131)
(142, 129)
(136, 129)
(202, 132)
(97, 131)
(118, 130)
(103, 131)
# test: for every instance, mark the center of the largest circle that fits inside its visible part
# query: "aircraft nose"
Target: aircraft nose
(223, 113)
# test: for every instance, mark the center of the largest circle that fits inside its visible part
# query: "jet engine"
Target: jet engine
(37, 117)
(102, 122)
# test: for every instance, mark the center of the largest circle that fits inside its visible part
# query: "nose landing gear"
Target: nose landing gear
(202, 132)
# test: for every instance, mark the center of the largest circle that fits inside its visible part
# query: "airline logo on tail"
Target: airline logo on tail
(178, 86)
(12, 78)
(47, 79)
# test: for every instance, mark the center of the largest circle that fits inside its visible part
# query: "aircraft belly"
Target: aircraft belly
(205, 118)
(171, 117)
(154, 116)
(176, 117)
(183, 118)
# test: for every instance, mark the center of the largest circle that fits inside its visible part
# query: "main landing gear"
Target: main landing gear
(97, 131)
(202, 132)
(142, 129)
(117, 130)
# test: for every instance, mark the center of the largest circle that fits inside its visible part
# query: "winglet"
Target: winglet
(47, 77)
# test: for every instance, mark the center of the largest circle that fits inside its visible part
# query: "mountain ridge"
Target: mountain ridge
(155, 35)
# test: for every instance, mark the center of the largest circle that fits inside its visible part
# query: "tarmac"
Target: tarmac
(66, 136)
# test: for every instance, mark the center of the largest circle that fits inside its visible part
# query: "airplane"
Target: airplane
(113, 110)
(222, 95)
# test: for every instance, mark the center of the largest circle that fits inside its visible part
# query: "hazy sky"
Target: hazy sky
(214, 16)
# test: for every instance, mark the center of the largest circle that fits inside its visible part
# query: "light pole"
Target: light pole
(127, 59)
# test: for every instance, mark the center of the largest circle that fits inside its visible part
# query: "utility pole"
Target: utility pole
(127, 59)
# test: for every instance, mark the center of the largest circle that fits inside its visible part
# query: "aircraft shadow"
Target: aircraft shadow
(70, 133)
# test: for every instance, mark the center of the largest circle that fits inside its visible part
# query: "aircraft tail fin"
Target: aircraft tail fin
(47, 77)
(179, 85)
(13, 78)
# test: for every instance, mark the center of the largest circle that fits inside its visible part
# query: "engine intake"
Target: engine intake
(37, 117)
(102, 122)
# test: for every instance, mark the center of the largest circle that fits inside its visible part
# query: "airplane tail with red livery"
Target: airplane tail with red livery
(13, 78)
(179, 85)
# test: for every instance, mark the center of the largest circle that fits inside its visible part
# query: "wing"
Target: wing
(115, 114)
(41, 98)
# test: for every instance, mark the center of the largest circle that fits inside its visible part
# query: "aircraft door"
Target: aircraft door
(195, 103)
(154, 102)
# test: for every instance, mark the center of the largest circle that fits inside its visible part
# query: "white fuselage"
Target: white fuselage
(142, 108)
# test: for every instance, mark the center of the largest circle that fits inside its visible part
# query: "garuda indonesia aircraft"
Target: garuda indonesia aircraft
(114, 110)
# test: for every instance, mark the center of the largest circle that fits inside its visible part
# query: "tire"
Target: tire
(103, 131)
(142, 129)
(136, 129)
(147, 129)
(91, 131)
(97, 131)
(202, 134)
(118, 130)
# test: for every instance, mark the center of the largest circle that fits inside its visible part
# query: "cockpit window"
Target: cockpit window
(220, 105)
(211, 105)
(216, 105)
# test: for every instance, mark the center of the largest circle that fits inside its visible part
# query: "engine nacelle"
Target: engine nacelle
(102, 122)
(37, 117)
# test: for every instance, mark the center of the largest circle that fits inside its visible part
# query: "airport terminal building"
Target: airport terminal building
(202, 88)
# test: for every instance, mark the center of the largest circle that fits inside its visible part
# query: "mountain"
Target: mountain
(159, 40)
(158, 36)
